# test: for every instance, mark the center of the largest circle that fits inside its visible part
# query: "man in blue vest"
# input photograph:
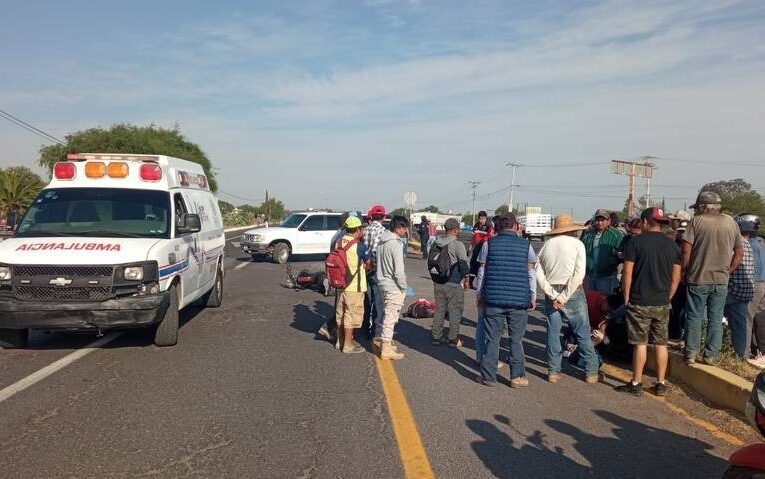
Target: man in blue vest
(506, 285)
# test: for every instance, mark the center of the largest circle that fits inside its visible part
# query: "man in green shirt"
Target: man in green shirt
(602, 245)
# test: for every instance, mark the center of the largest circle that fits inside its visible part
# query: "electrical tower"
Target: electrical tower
(512, 187)
(633, 169)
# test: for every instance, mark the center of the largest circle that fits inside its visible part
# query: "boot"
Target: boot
(376, 346)
(389, 352)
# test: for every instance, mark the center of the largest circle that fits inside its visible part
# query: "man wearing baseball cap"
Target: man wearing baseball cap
(602, 244)
(712, 248)
(372, 235)
(649, 280)
(448, 288)
(349, 312)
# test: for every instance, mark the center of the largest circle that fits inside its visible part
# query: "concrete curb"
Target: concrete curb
(720, 387)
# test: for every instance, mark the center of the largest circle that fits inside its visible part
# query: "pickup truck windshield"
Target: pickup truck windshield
(98, 212)
(293, 221)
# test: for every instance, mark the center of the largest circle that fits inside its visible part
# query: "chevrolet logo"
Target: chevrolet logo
(61, 282)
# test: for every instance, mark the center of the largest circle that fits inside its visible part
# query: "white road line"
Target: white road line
(241, 265)
(43, 373)
(234, 237)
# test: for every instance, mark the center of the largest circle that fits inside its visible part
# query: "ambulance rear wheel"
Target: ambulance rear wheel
(14, 338)
(281, 253)
(214, 297)
(166, 333)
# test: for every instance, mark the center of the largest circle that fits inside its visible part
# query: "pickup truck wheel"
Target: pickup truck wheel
(14, 338)
(214, 297)
(281, 253)
(166, 333)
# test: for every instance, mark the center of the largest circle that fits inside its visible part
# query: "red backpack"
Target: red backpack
(336, 265)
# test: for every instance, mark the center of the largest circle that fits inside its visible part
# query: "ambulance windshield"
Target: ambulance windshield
(98, 212)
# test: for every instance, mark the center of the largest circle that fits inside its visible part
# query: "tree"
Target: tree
(501, 209)
(737, 196)
(432, 209)
(400, 212)
(225, 207)
(272, 208)
(125, 138)
(19, 186)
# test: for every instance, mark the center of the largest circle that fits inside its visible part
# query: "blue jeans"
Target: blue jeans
(575, 314)
(737, 313)
(706, 302)
(378, 307)
(516, 324)
(605, 284)
(480, 335)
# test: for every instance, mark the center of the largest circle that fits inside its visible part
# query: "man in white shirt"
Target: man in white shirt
(560, 271)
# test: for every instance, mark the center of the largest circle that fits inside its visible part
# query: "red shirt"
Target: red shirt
(594, 307)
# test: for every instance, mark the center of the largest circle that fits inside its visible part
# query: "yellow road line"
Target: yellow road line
(711, 428)
(413, 455)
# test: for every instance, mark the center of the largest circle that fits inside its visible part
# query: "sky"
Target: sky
(344, 104)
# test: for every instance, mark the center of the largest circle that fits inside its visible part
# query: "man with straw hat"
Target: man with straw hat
(560, 273)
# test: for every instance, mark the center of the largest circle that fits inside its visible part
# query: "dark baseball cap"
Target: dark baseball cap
(655, 213)
(707, 198)
(602, 213)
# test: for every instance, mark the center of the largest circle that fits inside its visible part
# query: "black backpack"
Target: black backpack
(439, 264)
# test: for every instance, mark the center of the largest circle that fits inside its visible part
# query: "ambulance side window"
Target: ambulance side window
(180, 208)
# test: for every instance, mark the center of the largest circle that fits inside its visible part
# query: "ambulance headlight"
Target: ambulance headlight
(134, 273)
(5, 273)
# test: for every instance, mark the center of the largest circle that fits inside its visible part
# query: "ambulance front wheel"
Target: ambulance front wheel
(14, 338)
(214, 297)
(166, 333)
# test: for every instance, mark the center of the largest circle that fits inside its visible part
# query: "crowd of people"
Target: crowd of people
(605, 285)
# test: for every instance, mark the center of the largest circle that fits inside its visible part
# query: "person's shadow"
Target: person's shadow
(309, 319)
(635, 450)
(534, 458)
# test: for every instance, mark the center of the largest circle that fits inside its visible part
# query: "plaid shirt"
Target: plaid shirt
(372, 236)
(741, 283)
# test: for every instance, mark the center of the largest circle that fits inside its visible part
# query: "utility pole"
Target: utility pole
(474, 186)
(633, 169)
(646, 161)
(512, 187)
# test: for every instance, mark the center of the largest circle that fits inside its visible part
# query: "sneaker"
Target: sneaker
(689, 360)
(629, 388)
(324, 331)
(519, 382)
(485, 382)
(554, 378)
(354, 348)
(710, 361)
(660, 389)
(455, 343)
(758, 362)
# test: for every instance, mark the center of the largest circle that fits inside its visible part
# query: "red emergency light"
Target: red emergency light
(64, 170)
(151, 172)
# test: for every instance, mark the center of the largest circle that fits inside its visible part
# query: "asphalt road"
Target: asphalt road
(251, 391)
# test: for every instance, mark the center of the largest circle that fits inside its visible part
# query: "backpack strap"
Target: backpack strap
(345, 248)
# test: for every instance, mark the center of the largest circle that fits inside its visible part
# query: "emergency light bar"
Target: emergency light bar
(91, 156)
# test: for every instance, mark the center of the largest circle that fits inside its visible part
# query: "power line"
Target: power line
(260, 200)
(32, 129)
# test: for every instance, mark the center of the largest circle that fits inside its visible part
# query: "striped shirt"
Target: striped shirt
(372, 236)
(741, 283)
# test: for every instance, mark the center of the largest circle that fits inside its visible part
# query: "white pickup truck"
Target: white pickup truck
(536, 225)
(308, 232)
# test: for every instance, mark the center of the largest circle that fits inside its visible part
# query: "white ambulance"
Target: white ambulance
(114, 241)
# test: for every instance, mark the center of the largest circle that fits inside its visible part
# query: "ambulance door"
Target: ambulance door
(191, 262)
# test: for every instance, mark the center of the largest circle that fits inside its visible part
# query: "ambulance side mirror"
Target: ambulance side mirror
(190, 223)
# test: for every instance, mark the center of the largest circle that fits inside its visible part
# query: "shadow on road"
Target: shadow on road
(309, 319)
(632, 450)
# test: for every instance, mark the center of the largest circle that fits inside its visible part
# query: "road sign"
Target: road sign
(410, 198)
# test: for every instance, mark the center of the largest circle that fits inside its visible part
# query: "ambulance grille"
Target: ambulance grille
(66, 271)
(40, 293)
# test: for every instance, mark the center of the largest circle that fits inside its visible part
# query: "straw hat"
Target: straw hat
(565, 224)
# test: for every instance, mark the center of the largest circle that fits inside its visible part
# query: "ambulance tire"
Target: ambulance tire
(281, 253)
(214, 297)
(14, 338)
(166, 332)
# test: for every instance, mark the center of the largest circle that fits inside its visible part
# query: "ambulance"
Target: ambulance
(115, 241)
